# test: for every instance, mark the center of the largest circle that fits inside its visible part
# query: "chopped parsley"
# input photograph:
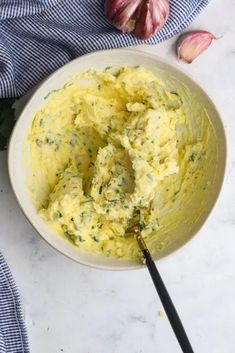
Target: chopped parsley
(142, 224)
(176, 193)
(95, 238)
(192, 157)
(80, 239)
(50, 140)
(39, 142)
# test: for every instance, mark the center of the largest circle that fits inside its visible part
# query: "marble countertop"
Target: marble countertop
(71, 308)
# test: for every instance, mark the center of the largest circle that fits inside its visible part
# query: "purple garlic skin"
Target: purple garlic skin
(192, 44)
(142, 17)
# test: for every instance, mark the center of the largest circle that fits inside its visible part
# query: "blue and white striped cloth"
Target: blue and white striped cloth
(39, 36)
(13, 338)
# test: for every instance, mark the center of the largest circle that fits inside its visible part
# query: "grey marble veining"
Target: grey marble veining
(74, 309)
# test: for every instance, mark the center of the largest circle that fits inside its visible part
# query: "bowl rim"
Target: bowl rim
(40, 85)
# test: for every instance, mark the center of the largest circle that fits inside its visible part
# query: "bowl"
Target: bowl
(180, 232)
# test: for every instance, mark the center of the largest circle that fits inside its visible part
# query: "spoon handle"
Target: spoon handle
(167, 303)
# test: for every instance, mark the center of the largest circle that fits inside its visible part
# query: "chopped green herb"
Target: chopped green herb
(192, 157)
(52, 91)
(157, 221)
(100, 189)
(176, 193)
(49, 140)
(85, 216)
(136, 211)
(117, 73)
(175, 93)
(142, 224)
(80, 239)
(39, 142)
(95, 238)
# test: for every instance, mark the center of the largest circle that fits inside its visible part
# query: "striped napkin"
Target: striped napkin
(39, 36)
(13, 338)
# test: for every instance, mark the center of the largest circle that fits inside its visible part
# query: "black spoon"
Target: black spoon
(167, 303)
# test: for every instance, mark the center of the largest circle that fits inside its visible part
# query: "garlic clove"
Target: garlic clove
(160, 13)
(190, 45)
(144, 25)
(143, 17)
(151, 17)
(120, 13)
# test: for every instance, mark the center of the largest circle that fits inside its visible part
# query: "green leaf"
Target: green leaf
(7, 120)
(3, 143)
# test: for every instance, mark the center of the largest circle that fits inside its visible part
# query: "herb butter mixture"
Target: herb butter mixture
(106, 145)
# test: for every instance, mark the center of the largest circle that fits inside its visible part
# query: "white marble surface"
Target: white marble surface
(75, 309)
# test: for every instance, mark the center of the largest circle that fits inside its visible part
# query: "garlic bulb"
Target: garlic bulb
(142, 17)
(190, 45)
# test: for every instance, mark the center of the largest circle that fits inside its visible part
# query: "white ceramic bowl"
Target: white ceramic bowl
(100, 60)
